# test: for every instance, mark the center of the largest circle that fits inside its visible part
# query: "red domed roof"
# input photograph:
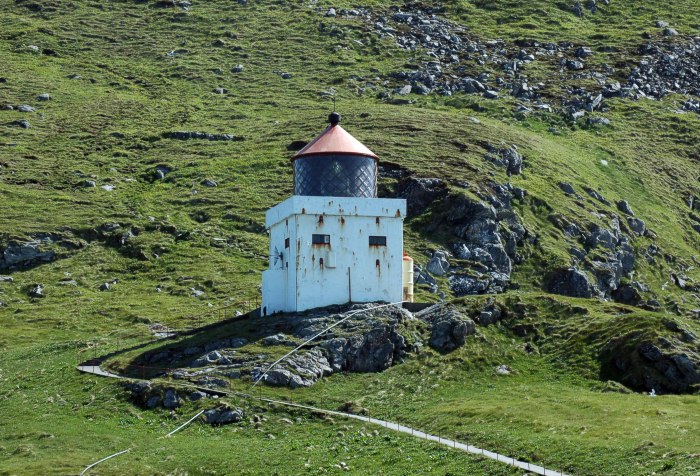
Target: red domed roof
(335, 140)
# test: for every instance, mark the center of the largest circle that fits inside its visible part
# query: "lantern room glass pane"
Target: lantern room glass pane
(336, 176)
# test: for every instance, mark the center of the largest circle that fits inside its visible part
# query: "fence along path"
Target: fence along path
(93, 367)
(533, 468)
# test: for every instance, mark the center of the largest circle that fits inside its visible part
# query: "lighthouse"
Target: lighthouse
(334, 241)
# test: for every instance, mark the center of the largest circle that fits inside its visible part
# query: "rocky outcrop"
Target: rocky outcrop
(449, 327)
(662, 365)
(39, 248)
(487, 236)
(374, 351)
(420, 193)
(570, 282)
(223, 415)
(150, 395)
(299, 370)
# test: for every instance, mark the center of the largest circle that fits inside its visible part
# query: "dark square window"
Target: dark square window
(286, 242)
(321, 239)
(377, 241)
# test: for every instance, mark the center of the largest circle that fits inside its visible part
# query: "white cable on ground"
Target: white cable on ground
(352, 313)
(87, 468)
(184, 424)
(540, 470)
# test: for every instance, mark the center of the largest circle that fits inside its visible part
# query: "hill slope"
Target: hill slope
(579, 185)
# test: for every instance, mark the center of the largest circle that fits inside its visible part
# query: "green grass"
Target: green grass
(110, 123)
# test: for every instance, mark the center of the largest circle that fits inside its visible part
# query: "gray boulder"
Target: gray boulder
(171, 399)
(449, 327)
(636, 225)
(278, 339)
(567, 188)
(197, 395)
(36, 291)
(223, 415)
(627, 294)
(438, 264)
(375, 351)
(300, 370)
(152, 402)
(570, 282)
(625, 208)
(212, 358)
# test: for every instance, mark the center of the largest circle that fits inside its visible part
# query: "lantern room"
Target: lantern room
(334, 241)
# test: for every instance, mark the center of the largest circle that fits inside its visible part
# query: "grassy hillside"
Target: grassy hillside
(123, 76)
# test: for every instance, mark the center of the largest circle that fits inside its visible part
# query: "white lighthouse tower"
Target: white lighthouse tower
(333, 241)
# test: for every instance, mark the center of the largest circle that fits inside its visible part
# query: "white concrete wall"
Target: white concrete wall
(349, 267)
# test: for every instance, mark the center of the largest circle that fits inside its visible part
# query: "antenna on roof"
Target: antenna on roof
(333, 103)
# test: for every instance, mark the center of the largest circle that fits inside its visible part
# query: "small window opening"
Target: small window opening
(320, 219)
(376, 263)
(376, 220)
(320, 262)
(286, 242)
(321, 239)
(377, 241)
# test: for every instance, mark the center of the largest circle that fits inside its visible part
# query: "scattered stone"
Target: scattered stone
(6, 279)
(583, 52)
(405, 90)
(491, 94)
(567, 188)
(162, 171)
(450, 328)
(196, 293)
(503, 370)
(36, 291)
(627, 294)
(223, 415)
(171, 400)
(43, 97)
(218, 43)
(278, 339)
(105, 286)
(197, 395)
(636, 225)
(89, 184)
(188, 135)
(574, 65)
(25, 108)
(108, 187)
(23, 123)
(220, 91)
(209, 183)
(330, 12)
(286, 75)
(237, 69)
(625, 208)
(507, 157)
(596, 195)
(570, 282)
(598, 121)
(438, 264)
(670, 32)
